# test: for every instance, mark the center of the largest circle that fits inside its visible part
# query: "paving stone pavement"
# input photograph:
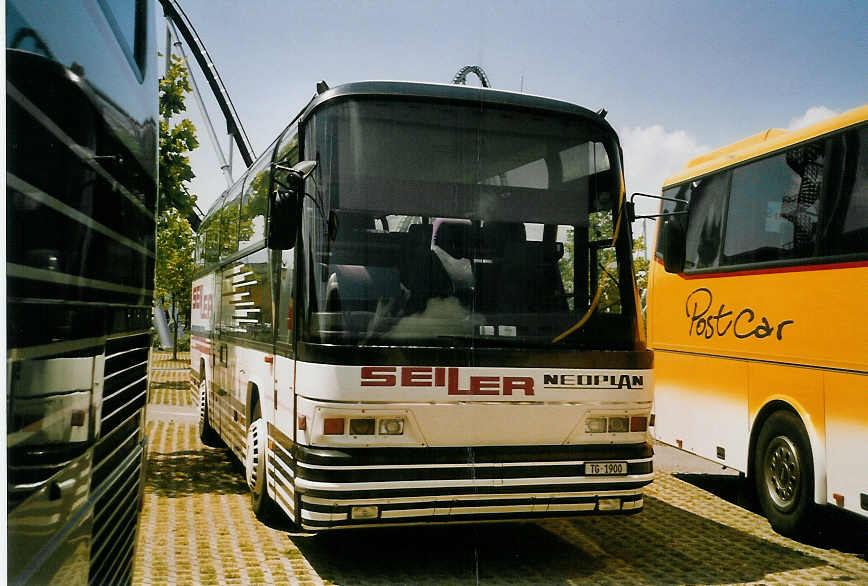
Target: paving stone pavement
(197, 528)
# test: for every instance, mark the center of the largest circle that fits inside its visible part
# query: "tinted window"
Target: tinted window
(228, 220)
(128, 18)
(681, 193)
(209, 240)
(705, 221)
(775, 207)
(849, 214)
(251, 227)
(285, 319)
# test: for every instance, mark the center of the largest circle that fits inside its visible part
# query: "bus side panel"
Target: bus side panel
(802, 389)
(202, 315)
(255, 376)
(701, 405)
(283, 398)
(281, 462)
(847, 439)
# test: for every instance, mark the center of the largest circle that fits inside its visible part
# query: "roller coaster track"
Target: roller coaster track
(461, 77)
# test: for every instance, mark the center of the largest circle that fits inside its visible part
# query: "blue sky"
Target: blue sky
(678, 78)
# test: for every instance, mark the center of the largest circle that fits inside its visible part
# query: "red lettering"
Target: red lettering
(439, 376)
(207, 301)
(416, 377)
(484, 385)
(517, 383)
(378, 376)
(453, 383)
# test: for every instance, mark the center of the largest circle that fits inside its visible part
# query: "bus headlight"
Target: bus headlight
(619, 424)
(361, 427)
(595, 425)
(392, 426)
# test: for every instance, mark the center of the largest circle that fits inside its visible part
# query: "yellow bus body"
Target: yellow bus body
(735, 344)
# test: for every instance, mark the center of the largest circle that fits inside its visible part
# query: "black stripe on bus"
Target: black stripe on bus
(463, 473)
(383, 493)
(464, 455)
(552, 357)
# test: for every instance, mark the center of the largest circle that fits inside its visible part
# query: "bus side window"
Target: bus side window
(251, 225)
(681, 192)
(228, 217)
(848, 233)
(210, 241)
(775, 207)
(705, 221)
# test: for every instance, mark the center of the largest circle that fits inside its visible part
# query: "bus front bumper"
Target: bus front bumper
(338, 489)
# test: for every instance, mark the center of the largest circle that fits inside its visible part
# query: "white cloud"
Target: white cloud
(812, 115)
(651, 153)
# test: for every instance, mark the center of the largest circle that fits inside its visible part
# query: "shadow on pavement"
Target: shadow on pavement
(663, 544)
(180, 385)
(177, 474)
(834, 529)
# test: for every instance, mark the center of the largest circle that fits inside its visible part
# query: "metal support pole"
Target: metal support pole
(225, 167)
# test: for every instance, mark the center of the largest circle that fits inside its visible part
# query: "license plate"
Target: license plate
(605, 468)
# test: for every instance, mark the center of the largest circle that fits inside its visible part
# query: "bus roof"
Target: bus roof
(443, 91)
(763, 143)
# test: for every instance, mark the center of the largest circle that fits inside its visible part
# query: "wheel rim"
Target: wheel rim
(783, 472)
(253, 454)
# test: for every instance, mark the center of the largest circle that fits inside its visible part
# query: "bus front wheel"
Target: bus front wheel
(784, 473)
(207, 435)
(264, 506)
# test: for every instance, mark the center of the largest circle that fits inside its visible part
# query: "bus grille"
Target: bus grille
(118, 456)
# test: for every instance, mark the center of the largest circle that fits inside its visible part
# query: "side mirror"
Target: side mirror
(285, 204)
(674, 244)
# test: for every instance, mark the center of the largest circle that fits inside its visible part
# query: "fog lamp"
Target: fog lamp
(595, 425)
(609, 504)
(618, 424)
(361, 427)
(391, 426)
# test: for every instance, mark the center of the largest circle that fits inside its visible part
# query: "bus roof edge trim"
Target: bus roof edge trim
(765, 142)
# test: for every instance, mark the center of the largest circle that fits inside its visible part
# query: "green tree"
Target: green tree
(601, 230)
(173, 276)
(176, 140)
(175, 242)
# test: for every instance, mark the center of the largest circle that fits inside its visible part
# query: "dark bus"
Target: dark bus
(81, 187)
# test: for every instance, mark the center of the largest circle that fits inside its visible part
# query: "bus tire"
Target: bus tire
(264, 507)
(207, 435)
(784, 473)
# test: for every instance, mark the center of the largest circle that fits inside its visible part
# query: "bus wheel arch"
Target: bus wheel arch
(781, 462)
(255, 460)
(207, 434)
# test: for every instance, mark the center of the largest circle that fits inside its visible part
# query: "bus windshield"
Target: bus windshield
(451, 224)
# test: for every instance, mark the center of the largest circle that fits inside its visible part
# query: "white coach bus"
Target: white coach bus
(418, 305)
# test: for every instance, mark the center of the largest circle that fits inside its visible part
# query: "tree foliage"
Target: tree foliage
(173, 276)
(176, 140)
(600, 230)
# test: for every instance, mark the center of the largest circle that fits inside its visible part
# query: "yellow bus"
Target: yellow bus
(758, 315)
